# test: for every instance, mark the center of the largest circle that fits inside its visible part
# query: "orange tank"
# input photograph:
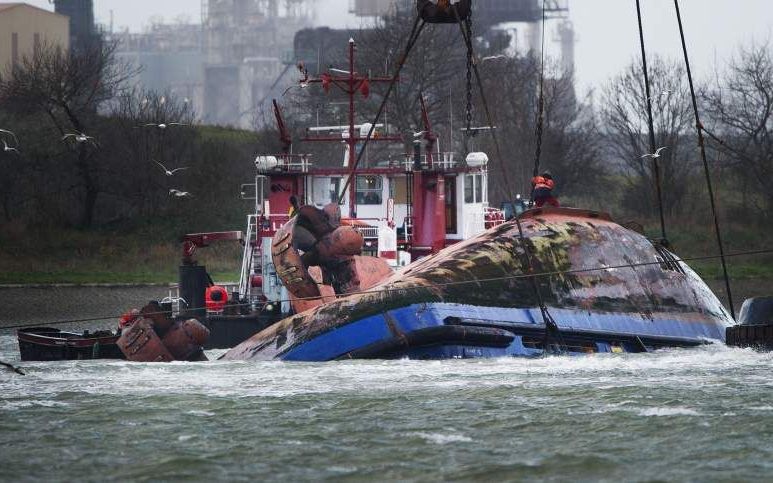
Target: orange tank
(140, 343)
(185, 340)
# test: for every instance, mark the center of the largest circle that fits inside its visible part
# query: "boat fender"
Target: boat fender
(185, 340)
(756, 310)
(140, 343)
(129, 318)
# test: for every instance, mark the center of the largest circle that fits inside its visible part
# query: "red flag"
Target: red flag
(365, 88)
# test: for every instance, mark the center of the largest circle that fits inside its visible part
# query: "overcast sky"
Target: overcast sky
(607, 35)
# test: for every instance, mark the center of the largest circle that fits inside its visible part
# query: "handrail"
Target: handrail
(249, 250)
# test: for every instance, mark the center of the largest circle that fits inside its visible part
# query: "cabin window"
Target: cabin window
(473, 188)
(398, 190)
(335, 185)
(369, 190)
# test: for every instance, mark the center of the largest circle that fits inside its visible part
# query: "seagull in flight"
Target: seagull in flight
(493, 57)
(164, 125)
(79, 138)
(8, 149)
(663, 93)
(656, 154)
(419, 134)
(301, 85)
(169, 172)
(15, 139)
(179, 194)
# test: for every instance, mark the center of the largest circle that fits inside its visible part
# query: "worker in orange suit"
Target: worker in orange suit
(542, 190)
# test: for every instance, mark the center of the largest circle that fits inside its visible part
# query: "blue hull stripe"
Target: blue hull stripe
(369, 330)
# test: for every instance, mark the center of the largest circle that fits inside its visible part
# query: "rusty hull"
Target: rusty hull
(483, 272)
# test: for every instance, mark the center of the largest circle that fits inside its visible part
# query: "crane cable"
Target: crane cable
(412, 38)
(653, 146)
(701, 144)
(404, 290)
(551, 328)
(540, 105)
(466, 28)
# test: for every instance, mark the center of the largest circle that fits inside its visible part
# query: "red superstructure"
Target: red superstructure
(404, 207)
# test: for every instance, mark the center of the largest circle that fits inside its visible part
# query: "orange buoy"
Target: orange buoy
(215, 298)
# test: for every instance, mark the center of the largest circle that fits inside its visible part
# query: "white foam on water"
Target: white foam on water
(685, 368)
(11, 405)
(669, 411)
(441, 438)
(200, 413)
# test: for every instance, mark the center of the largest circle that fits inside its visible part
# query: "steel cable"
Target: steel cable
(553, 273)
(701, 144)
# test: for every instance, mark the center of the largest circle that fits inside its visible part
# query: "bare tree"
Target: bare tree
(69, 88)
(624, 112)
(570, 143)
(740, 107)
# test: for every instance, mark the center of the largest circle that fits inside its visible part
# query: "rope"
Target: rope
(12, 367)
(467, 36)
(551, 328)
(540, 104)
(470, 62)
(653, 146)
(444, 284)
(412, 38)
(699, 128)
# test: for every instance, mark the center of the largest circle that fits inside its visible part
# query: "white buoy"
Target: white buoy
(476, 159)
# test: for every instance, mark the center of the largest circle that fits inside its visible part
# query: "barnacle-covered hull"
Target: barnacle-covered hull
(607, 288)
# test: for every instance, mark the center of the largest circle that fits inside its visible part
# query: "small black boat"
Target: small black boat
(50, 344)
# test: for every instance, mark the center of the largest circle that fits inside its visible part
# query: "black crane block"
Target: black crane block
(442, 11)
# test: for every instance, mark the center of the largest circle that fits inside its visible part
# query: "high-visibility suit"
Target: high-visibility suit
(543, 191)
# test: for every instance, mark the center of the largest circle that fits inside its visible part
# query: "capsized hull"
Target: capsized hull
(607, 289)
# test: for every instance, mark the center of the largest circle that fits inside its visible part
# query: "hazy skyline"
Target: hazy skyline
(607, 32)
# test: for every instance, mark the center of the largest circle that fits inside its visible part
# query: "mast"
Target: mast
(350, 83)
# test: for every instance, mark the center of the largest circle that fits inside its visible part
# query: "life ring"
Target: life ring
(215, 298)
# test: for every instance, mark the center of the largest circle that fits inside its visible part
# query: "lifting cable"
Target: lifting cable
(540, 106)
(466, 28)
(404, 290)
(13, 368)
(551, 327)
(699, 128)
(653, 146)
(412, 38)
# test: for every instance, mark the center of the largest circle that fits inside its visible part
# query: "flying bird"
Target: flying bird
(179, 194)
(79, 138)
(15, 139)
(164, 125)
(8, 149)
(169, 172)
(419, 134)
(656, 154)
(493, 57)
(663, 93)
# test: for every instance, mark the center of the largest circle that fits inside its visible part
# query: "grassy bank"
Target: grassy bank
(99, 256)
(150, 253)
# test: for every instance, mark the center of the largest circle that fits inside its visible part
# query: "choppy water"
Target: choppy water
(699, 414)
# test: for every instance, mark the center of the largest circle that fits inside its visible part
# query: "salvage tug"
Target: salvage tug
(404, 258)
